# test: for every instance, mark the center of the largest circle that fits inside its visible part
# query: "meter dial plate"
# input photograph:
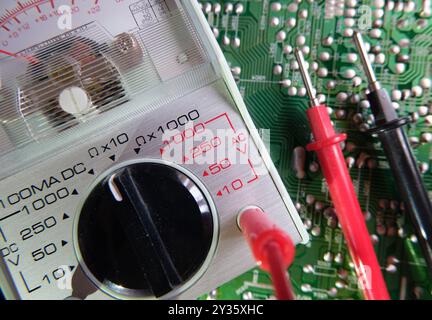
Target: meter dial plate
(54, 190)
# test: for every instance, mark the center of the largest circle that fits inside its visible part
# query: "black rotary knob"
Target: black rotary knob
(145, 230)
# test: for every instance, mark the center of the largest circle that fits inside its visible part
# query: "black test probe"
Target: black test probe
(399, 154)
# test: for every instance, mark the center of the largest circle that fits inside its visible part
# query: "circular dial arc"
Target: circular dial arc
(26, 23)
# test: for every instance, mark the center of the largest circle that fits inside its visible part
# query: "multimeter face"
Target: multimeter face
(125, 159)
(27, 23)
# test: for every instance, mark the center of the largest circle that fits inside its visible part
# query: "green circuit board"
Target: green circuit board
(258, 37)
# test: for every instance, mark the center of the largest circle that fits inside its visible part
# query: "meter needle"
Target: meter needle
(30, 59)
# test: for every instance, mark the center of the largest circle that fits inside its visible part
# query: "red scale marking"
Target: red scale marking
(242, 150)
(255, 176)
(221, 116)
(20, 8)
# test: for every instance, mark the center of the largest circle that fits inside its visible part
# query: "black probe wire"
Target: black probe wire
(400, 156)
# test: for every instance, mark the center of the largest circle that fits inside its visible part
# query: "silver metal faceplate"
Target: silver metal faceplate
(47, 181)
(232, 255)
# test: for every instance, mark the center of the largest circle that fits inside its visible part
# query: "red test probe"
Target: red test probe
(271, 247)
(332, 161)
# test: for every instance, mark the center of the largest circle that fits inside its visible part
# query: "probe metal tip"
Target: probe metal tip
(306, 77)
(367, 66)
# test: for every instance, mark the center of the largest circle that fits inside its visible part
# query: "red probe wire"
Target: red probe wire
(278, 272)
(330, 156)
(271, 247)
